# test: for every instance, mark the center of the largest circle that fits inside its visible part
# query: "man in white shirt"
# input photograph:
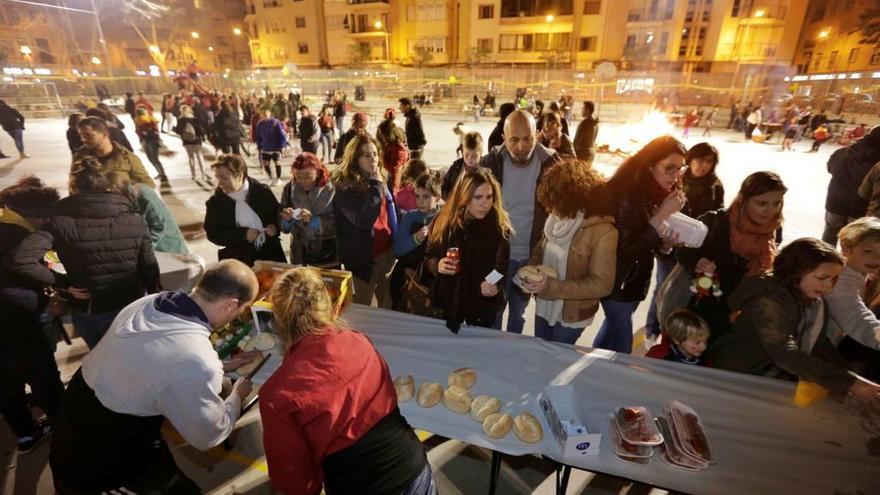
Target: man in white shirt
(156, 362)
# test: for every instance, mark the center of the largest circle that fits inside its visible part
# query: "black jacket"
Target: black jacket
(222, 229)
(342, 143)
(496, 137)
(637, 244)
(451, 178)
(703, 194)
(73, 140)
(104, 246)
(848, 167)
(585, 137)
(227, 128)
(482, 249)
(355, 211)
(415, 133)
(10, 118)
(197, 129)
(494, 161)
(22, 293)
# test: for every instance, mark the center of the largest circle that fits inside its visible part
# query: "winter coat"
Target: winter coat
(585, 138)
(415, 133)
(322, 228)
(119, 160)
(222, 229)
(270, 135)
(450, 179)
(765, 338)
(74, 142)
(164, 231)
(637, 245)
(10, 118)
(197, 129)
(703, 194)
(565, 148)
(589, 272)
(494, 161)
(309, 133)
(496, 137)
(848, 167)
(279, 110)
(227, 128)
(343, 141)
(355, 210)
(104, 246)
(23, 293)
(482, 249)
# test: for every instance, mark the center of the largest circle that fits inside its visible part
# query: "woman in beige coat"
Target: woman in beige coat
(579, 244)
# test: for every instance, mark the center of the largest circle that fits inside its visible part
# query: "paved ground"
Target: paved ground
(460, 468)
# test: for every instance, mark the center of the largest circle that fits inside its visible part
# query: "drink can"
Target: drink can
(454, 253)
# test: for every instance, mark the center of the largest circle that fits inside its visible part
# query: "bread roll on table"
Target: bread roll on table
(527, 428)
(462, 377)
(497, 425)
(484, 405)
(429, 394)
(457, 399)
(405, 387)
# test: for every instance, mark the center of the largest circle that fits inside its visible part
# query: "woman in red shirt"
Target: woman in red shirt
(330, 416)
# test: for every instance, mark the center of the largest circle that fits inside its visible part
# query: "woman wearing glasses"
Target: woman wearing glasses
(646, 194)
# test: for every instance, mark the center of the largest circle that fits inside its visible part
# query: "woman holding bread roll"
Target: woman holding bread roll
(579, 244)
(474, 222)
(330, 416)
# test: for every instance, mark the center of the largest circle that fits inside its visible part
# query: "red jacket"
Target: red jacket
(329, 392)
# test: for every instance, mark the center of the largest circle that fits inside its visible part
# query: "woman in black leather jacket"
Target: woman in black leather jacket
(646, 188)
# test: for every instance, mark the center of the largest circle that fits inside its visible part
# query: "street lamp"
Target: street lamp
(550, 52)
(194, 34)
(759, 13)
(154, 49)
(25, 50)
(824, 33)
(210, 48)
(236, 31)
(377, 24)
(96, 60)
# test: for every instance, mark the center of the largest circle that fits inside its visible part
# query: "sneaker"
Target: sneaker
(26, 445)
(276, 182)
(24, 155)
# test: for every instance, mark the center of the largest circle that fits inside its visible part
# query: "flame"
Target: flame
(629, 138)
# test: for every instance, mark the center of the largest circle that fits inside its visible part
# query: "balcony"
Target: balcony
(369, 5)
(752, 51)
(358, 2)
(767, 14)
(649, 15)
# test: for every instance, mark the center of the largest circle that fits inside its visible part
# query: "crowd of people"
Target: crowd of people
(526, 216)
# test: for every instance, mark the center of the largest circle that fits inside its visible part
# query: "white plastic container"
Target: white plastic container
(557, 406)
(690, 231)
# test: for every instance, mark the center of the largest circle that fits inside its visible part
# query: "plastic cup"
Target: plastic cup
(808, 393)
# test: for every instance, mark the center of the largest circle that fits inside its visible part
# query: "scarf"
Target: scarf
(245, 216)
(657, 192)
(382, 229)
(559, 233)
(756, 243)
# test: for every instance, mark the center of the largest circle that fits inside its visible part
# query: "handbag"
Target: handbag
(416, 299)
(675, 292)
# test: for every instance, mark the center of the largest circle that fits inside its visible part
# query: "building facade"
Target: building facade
(831, 39)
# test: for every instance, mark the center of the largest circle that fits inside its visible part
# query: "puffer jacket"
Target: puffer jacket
(637, 244)
(703, 194)
(104, 246)
(765, 337)
(589, 273)
(848, 167)
(22, 294)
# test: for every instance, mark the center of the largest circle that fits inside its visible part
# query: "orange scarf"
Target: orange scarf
(756, 243)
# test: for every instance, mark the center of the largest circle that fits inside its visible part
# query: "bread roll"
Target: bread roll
(529, 274)
(457, 399)
(245, 369)
(405, 387)
(546, 271)
(497, 425)
(528, 428)
(429, 394)
(463, 377)
(484, 405)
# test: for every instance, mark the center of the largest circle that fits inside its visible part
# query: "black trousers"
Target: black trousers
(234, 148)
(26, 358)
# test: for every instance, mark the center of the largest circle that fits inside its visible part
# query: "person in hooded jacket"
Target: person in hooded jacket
(26, 357)
(307, 212)
(242, 215)
(104, 246)
(227, 129)
(848, 168)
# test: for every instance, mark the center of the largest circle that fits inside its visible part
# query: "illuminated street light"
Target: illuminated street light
(823, 34)
(96, 60)
(378, 24)
(550, 18)
(154, 49)
(210, 48)
(195, 34)
(236, 31)
(759, 13)
(25, 50)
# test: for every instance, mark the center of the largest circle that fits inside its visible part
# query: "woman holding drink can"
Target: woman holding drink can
(469, 240)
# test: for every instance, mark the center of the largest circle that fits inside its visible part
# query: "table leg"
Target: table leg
(495, 471)
(562, 484)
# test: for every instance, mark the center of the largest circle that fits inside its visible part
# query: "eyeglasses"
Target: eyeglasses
(673, 169)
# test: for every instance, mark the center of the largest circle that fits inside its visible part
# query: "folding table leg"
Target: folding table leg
(562, 484)
(495, 471)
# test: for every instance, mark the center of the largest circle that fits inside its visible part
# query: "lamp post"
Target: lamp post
(387, 49)
(550, 50)
(239, 32)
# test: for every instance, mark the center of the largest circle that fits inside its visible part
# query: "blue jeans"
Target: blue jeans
(556, 333)
(423, 484)
(664, 265)
(340, 124)
(18, 137)
(92, 326)
(516, 317)
(616, 333)
(326, 145)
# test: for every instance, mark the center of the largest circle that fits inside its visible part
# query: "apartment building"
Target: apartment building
(830, 41)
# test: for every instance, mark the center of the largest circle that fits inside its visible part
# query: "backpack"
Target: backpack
(189, 133)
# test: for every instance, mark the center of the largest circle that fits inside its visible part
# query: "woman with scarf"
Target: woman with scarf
(645, 195)
(474, 222)
(580, 243)
(242, 215)
(307, 212)
(366, 220)
(742, 240)
(552, 136)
